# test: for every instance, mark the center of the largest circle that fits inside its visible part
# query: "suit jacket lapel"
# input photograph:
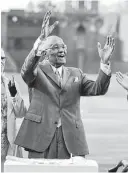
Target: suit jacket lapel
(47, 69)
(65, 77)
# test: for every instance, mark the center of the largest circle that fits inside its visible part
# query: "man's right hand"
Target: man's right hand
(46, 30)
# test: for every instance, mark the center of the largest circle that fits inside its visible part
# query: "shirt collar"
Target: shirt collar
(59, 69)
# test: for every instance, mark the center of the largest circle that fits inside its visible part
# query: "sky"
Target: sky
(18, 4)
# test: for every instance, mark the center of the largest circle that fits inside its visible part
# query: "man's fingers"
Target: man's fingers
(119, 76)
(113, 42)
(110, 40)
(47, 17)
(53, 26)
(46, 29)
(118, 80)
(113, 47)
(48, 13)
(107, 40)
(47, 25)
(119, 73)
(98, 45)
(45, 21)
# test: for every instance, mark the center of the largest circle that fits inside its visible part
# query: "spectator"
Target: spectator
(122, 79)
(12, 106)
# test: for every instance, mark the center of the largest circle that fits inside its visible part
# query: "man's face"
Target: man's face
(3, 60)
(56, 51)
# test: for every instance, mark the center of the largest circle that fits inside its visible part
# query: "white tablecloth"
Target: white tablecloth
(75, 164)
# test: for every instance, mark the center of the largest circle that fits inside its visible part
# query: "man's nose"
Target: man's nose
(61, 49)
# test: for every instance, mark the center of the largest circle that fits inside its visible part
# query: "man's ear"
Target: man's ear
(44, 53)
(47, 52)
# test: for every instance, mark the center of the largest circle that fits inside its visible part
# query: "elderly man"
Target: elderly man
(52, 127)
(122, 79)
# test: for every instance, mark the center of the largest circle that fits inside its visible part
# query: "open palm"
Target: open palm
(106, 52)
(46, 30)
(122, 79)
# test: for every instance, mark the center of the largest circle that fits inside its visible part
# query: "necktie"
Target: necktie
(59, 80)
(58, 76)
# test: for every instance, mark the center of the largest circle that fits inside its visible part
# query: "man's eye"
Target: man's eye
(64, 46)
(2, 58)
(55, 47)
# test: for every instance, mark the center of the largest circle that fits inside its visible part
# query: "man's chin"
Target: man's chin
(61, 62)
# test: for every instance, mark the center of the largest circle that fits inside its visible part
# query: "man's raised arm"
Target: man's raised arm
(29, 68)
(100, 86)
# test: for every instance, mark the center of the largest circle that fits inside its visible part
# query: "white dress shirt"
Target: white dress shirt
(106, 68)
(58, 69)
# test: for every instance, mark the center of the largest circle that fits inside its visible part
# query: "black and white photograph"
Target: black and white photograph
(64, 86)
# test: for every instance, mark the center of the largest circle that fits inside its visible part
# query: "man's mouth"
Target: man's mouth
(61, 55)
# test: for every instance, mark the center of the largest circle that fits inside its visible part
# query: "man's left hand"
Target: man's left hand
(106, 52)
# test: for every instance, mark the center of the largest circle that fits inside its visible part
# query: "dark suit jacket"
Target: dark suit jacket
(50, 101)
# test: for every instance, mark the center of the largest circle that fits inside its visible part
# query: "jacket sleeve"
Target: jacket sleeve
(94, 88)
(29, 68)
